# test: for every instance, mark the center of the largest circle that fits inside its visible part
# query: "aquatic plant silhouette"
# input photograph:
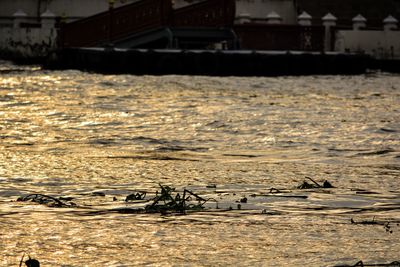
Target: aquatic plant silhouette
(30, 262)
(306, 185)
(166, 201)
(47, 200)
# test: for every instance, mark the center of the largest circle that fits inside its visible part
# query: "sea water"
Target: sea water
(98, 138)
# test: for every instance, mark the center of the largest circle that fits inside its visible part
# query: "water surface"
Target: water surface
(70, 133)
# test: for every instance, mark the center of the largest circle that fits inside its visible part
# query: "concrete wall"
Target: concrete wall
(380, 44)
(259, 9)
(27, 44)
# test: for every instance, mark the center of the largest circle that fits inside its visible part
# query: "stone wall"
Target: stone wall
(379, 44)
(23, 42)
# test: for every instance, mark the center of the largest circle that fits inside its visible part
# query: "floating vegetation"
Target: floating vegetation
(47, 200)
(387, 225)
(98, 194)
(314, 184)
(274, 190)
(30, 262)
(365, 222)
(135, 196)
(362, 264)
(166, 202)
(243, 200)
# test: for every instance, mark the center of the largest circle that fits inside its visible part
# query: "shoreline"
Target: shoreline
(208, 62)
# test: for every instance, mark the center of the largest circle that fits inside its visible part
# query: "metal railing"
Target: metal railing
(212, 13)
(117, 23)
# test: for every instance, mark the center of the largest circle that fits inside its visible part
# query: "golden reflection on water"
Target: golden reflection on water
(71, 134)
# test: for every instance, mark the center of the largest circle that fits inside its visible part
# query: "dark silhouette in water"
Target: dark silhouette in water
(30, 262)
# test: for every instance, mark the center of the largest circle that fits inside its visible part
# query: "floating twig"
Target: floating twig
(386, 225)
(362, 264)
(135, 196)
(30, 262)
(166, 202)
(306, 185)
(46, 200)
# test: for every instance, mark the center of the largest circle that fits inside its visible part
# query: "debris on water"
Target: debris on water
(274, 190)
(66, 198)
(314, 184)
(243, 200)
(211, 186)
(47, 200)
(327, 184)
(135, 196)
(365, 222)
(362, 264)
(98, 194)
(166, 202)
(386, 224)
(388, 228)
(30, 262)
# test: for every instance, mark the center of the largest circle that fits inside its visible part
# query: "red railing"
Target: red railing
(85, 32)
(280, 37)
(144, 15)
(211, 13)
(140, 16)
(116, 23)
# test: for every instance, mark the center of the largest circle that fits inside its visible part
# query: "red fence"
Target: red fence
(144, 15)
(116, 23)
(140, 16)
(280, 37)
(212, 13)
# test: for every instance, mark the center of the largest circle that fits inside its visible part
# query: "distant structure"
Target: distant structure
(345, 10)
(30, 29)
(70, 10)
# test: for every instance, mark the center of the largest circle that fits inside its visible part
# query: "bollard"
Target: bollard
(359, 22)
(304, 19)
(48, 19)
(19, 17)
(328, 21)
(274, 18)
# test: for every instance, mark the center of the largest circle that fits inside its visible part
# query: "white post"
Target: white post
(244, 18)
(19, 16)
(328, 21)
(304, 19)
(48, 20)
(274, 18)
(359, 22)
(390, 23)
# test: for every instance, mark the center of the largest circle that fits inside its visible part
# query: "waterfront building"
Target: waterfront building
(362, 26)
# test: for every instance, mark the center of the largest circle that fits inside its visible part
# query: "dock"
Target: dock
(209, 62)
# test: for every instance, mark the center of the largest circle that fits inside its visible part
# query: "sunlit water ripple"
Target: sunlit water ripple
(69, 133)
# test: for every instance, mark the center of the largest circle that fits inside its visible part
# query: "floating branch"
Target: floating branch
(362, 264)
(135, 196)
(274, 190)
(30, 262)
(314, 184)
(386, 225)
(47, 200)
(365, 222)
(166, 202)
